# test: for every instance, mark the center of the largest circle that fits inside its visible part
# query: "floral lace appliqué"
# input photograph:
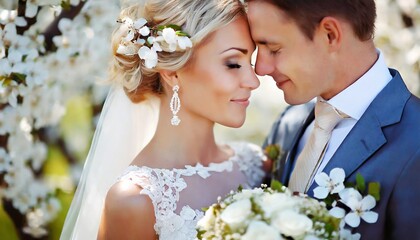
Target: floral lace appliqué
(163, 186)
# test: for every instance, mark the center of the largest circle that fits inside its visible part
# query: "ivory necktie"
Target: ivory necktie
(326, 118)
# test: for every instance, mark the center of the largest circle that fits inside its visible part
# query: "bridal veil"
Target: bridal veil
(124, 128)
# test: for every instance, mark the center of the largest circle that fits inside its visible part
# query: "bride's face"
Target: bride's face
(217, 83)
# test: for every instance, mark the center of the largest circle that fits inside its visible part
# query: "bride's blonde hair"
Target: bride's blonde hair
(198, 18)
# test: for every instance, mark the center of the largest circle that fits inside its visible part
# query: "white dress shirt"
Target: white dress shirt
(353, 101)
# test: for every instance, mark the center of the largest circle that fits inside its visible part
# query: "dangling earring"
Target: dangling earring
(175, 105)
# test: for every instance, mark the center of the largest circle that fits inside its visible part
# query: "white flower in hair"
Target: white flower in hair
(144, 31)
(149, 56)
(146, 41)
(127, 22)
(157, 47)
(139, 23)
(129, 37)
(127, 50)
(184, 42)
(170, 38)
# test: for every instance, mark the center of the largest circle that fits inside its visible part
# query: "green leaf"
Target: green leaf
(5, 81)
(349, 185)
(374, 190)
(181, 34)
(65, 4)
(174, 27)
(18, 77)
(272, 151)
(329, 200)
(240, 188)
(360, 182)
(276, 185)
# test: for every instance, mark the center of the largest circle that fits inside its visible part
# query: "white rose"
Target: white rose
(258, 230)
(272, 203)
(247, 193)
(236, 213)
(207, 221)
(291, 223)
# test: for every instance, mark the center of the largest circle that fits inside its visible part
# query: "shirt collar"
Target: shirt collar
(356, 98)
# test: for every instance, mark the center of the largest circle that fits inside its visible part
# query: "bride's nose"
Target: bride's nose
(251, 80)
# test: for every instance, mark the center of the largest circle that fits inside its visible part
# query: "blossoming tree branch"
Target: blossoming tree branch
(45, 50)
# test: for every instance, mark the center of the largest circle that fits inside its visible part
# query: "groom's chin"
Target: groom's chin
(295, 99)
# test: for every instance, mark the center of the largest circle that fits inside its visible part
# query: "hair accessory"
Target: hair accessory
(175, 105)
(147, 41)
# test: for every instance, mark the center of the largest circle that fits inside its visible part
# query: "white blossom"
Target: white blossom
(360, 207)
(149, 56)
(50, 208)
(144, 31)
(46, 2)
(184, 42)
(139, 23)
(31, 9)
(35, 221)
(346, 234)
(331, 184)
(170, 38)
(5, 160)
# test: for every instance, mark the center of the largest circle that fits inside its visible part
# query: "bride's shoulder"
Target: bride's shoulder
(125, 195)
(125, 210)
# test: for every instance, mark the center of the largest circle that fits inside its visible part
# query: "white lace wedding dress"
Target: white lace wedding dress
(178, 195)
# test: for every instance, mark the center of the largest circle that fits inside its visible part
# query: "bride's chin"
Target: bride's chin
(234, 123)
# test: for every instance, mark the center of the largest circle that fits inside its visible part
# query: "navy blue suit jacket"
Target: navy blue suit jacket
(384, 146)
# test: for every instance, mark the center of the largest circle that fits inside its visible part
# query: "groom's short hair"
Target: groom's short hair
(361, 14)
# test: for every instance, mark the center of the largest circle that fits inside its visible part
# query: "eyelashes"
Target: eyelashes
(233, 65)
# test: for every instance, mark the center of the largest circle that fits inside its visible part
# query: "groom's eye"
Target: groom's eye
(274, 52)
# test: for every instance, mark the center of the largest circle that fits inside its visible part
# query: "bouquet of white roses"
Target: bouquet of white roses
(268, 213)
(276, 213)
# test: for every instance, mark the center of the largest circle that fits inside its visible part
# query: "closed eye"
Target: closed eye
(233, 65)
(274, 52)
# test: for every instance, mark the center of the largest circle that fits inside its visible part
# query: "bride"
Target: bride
(172, 85)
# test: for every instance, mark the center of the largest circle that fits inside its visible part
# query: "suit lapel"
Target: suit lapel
(367, 135)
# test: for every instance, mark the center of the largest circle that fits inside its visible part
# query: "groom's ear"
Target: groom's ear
(169, 77)
(331, 30)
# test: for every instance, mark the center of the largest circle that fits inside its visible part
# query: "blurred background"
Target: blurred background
(54, 57)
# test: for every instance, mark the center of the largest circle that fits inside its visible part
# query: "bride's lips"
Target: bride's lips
(241, 101)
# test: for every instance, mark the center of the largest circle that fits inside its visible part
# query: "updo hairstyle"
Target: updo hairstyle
(198, 18)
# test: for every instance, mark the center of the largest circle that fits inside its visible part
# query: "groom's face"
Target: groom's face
(300, 66)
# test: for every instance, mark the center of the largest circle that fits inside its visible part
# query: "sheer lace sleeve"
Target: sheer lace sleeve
(250, 159)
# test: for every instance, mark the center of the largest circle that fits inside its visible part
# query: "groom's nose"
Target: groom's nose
(264, 64)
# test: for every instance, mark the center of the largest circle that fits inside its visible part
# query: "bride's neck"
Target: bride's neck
(191, 142)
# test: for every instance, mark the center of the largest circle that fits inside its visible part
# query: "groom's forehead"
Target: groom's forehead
(262, 14)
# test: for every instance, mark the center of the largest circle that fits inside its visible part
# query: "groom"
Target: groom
(324, 49)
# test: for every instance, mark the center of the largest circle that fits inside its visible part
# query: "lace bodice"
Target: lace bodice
(178, 195)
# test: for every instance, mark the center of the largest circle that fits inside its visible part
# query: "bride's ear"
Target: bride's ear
(169, 78)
